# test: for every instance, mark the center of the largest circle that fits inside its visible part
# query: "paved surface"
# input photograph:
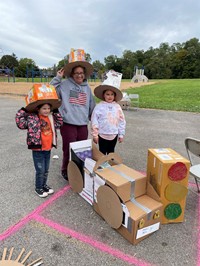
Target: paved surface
(63, 228)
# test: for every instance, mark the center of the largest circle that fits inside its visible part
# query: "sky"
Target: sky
(46, 30)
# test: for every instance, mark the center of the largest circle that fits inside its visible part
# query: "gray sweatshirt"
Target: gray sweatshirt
(77, 100)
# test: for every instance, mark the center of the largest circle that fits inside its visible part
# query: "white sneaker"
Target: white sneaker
(41, 193)
(48, 190)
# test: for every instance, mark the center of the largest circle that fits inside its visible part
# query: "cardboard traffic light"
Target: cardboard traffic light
(167, 172)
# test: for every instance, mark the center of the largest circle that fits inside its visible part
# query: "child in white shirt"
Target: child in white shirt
(108, 121)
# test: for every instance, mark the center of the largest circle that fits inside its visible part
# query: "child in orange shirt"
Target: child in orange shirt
(41, 127)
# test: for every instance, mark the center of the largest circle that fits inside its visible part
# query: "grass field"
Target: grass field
(178, 95)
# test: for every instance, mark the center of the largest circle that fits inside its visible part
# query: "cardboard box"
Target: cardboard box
(168, 173)
(125, 181)
(118, 193)
(125, 105)
(142, 216)
(82, 153)
(88, 187)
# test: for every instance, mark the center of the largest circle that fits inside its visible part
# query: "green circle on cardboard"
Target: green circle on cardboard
(75, 177)
(172, 211)
(175, 192)
(110, 206)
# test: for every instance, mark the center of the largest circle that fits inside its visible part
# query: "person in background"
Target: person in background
(108, 121)
(77, 102)
(41, 119)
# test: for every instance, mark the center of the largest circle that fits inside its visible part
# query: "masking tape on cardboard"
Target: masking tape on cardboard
(131, 179)
(130, 222)
(147, 210)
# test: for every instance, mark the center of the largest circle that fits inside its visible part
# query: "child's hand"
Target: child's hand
(96, 140)
(60, 72)
(120, 140)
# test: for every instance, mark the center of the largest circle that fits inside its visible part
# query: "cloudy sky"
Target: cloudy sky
(46, 30)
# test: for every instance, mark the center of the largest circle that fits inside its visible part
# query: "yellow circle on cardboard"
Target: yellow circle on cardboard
(175, 192)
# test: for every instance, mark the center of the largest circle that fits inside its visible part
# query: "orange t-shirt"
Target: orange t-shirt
(46, 133)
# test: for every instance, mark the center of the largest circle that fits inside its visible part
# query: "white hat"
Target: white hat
(112, 81)
(77, 58)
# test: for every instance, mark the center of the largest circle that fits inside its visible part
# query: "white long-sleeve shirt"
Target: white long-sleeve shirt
(108, 119)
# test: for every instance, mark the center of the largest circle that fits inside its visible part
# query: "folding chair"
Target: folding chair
(193, 150)
(134, 101)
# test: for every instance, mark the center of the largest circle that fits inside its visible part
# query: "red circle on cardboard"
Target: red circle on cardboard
(177, 171)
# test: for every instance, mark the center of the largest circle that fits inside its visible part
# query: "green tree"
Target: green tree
(129, 61)
(191, 60)
(98, 68)
(61, 63)
(9, 61)
(24, 65)
(113, 62)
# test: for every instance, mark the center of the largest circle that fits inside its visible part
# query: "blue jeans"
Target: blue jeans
(41, 161)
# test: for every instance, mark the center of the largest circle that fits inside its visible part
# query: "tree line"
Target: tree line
(178, 61)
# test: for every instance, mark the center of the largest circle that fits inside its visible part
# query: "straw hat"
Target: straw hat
(77, 58)
(112, 81)
(41, 94)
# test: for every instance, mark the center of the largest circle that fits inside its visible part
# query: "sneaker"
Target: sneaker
(48, 190)
(41, 193)
(64, 175)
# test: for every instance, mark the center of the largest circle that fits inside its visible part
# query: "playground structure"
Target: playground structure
(42, 74)
(7, 74)
(139, 75)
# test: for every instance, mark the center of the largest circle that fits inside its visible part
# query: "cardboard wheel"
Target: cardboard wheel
(7, 258)
(75, 177)
(110, 206)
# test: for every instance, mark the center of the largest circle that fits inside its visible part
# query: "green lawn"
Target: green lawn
(179, 95)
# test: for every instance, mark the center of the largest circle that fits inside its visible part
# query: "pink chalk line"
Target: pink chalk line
(31, 215)
(83, 238)
(198, 228)
(90, 241)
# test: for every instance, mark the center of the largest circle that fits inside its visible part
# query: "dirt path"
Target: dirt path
(22, 88)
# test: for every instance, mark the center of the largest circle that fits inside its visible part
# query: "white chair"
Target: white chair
(134, 101)
(193, 150)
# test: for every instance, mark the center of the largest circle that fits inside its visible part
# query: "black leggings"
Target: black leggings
(107, 146)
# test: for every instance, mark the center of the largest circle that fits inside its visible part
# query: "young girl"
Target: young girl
(41, 127)
(108, 121)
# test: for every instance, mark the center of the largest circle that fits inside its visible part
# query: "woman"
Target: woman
(77, 104)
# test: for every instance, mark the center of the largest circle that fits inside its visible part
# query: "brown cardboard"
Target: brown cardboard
(111, 158)
(125, 105)
(75, 177)
(76, 165)
(125, 181)
(96, 154)
(168, 173)
(141, 223)
(138, 217)
(110, 206)
(124, 198)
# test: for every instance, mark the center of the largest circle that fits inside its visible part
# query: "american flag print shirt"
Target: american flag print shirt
(77, 97)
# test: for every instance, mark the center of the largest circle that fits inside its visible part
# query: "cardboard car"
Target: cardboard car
(119, 194)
